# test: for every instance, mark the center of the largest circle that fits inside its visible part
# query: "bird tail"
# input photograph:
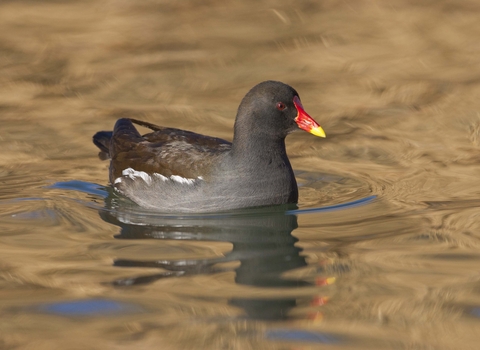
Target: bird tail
(122, 137)
(102, 140)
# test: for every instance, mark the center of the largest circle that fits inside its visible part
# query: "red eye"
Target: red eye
(281, 106)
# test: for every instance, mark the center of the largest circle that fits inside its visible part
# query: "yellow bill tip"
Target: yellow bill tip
(317, 131)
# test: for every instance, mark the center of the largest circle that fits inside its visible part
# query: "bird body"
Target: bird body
(173, 170)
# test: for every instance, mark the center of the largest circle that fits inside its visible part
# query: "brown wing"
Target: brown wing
(166, 151)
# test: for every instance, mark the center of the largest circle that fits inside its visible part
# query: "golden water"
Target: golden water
(396, 87)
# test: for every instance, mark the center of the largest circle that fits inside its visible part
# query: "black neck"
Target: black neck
(258, 147)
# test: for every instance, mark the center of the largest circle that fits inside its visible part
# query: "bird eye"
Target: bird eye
(281, 106)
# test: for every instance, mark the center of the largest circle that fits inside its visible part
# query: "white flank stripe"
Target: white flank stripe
(160, 176)
(134, 174)
(182, 180)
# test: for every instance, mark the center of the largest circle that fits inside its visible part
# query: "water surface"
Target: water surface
(384, 247)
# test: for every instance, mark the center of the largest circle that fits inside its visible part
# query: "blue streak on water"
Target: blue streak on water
(81, 186)
(301, 336)
(92, 307)
(341, 206)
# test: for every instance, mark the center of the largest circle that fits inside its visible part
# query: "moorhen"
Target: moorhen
(172, 170)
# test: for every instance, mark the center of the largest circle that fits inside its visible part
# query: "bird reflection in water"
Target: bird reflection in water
(262, 242)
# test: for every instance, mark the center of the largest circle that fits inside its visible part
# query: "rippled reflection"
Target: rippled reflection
(262, 242)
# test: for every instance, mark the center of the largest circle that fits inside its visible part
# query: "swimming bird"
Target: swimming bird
(178, 171)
